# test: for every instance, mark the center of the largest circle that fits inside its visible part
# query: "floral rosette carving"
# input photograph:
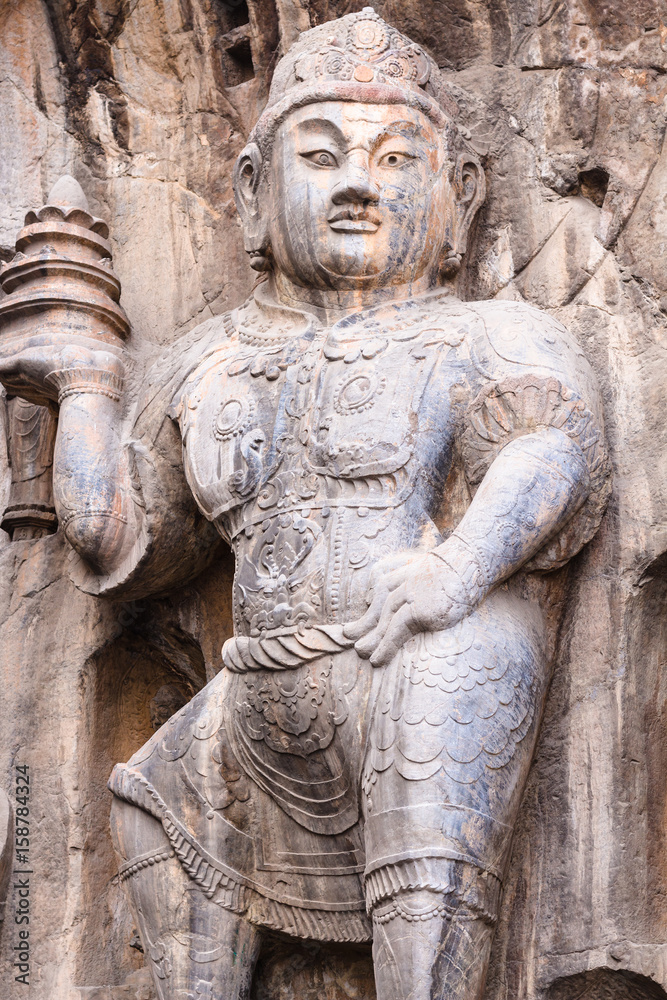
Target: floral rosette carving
(522, 405)
(370, 51)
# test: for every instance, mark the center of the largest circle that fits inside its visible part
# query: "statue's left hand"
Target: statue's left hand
(421, 594)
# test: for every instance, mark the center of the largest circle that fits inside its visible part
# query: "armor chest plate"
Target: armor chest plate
(296, 425)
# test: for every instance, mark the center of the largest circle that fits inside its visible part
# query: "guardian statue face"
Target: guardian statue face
(359, 195)
(356, 177)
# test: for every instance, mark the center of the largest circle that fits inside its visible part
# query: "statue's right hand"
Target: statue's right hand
(23, 372)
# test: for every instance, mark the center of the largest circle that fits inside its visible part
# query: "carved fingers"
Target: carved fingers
(422, 595)
(25, 372)
(388, 573)
(386, 576)
(397, 622)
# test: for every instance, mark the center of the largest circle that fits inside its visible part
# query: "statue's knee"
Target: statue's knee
(454, 888)
(430, 943)
(134, 831)
(413, 906)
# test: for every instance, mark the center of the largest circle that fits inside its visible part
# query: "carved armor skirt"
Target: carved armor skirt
(302, 787)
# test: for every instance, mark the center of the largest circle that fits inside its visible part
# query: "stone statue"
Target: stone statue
(355, 770)
(30, 512)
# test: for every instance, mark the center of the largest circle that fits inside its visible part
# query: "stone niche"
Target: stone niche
(147, 105)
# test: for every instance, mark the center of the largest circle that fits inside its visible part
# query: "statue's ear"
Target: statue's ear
(470, 191)
(247, 175)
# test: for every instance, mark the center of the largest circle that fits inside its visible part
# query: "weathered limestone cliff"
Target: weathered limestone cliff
(147, 103)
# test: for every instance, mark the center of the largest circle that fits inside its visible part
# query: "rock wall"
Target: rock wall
(147, 103)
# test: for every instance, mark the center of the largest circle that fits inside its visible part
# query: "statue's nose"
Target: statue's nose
(356, 186)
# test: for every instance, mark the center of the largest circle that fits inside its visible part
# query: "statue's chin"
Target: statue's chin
(353, 273)
(348, 272)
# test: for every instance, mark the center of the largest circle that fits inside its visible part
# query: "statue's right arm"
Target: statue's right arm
(91, 481)
(92, 485)
(120, 492)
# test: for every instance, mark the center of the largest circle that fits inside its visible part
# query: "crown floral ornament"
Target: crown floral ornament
(366, 49)
(358, 57)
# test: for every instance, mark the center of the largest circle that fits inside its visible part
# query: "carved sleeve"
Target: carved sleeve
(535, 378)
(173, 541)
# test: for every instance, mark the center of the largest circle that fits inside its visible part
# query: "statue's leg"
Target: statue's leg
(196, 948)
(429, 945)
(449, 750)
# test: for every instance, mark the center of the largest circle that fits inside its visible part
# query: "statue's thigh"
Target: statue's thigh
(452, 738)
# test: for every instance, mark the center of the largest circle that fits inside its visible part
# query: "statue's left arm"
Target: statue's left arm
(535, 452)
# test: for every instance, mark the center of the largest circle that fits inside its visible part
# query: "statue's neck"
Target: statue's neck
(331, 305)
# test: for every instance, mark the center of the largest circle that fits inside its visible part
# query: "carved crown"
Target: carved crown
(362, 47)
(358, 57)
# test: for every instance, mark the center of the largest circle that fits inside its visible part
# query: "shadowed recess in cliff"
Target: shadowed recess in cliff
(606, 984)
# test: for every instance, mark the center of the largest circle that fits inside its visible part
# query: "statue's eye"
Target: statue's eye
(394, 159)
(321, 157)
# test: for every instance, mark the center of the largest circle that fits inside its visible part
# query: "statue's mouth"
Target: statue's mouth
(350, 221)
